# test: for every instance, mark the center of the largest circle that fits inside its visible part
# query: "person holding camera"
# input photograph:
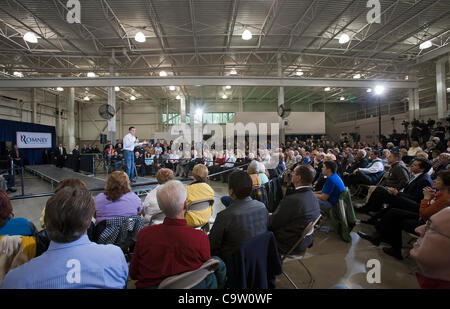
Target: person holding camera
(439, 131)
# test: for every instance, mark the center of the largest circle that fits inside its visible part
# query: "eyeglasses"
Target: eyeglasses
(429, 228)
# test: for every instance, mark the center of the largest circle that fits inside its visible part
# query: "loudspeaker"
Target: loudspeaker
(102, 138)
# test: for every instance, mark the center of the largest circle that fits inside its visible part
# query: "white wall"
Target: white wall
(298, 122)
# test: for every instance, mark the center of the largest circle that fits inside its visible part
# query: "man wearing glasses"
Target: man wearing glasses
(432, 252)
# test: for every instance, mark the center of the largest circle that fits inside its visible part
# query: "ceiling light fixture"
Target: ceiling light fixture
(246, 35)
(379, 89)
(233, 72)
(90, 74)
(369, 90)
(171, 88)
(227, 87)
(224, 97)
(342, 98)
(116, 88)
(178, 97)
(299, 73)
(357, 76)
(132, 98)
(18, 74)
(140, 37)
(344, 38)
(162, 73)
(30, 37)
(425, 45)
(86, 98)
(327, 89)
(60, 89)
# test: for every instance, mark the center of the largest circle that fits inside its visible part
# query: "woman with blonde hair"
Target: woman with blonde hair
(117, 200)
(199, 190)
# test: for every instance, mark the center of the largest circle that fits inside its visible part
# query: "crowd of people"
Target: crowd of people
(403, 189)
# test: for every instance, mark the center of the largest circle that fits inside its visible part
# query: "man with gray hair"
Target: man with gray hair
(172, 247)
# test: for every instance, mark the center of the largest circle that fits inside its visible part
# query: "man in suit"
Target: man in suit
(295, 212)
(17, 155)
(76, 159)
(409, 198)
(244, 219)
(360, 162)
(60, 156)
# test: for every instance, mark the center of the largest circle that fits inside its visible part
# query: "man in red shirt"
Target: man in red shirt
(172, 247)
(432, 251)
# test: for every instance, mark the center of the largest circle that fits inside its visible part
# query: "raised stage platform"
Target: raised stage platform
(54, 175)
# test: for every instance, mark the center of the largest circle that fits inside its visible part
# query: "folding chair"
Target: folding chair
(199, 206)
(190, 279)
(309, 230)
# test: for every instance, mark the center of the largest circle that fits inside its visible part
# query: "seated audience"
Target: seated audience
(140, 163)
(398, 174)
(442, 164)
(385, 156)
(295, 212)
(72, 261)
(10, 225)
(150, 206)
(389, 229)
(262, 173)
(116, 160)
(118, 200)
(243, 219)
(252, 170)
(332, 188)
(414, 149)
(173, 247)
(197, 191)
(407, 198)
(431, 252)
(68, 182)
(369, 175)
(360, 161)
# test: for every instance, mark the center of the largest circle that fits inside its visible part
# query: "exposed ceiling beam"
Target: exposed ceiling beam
(148, 81)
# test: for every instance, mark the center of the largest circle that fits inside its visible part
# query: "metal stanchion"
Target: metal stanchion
(93, 165)
(22, 180)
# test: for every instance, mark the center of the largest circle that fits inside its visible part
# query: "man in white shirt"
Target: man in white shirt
(369, 175)
(129, 142)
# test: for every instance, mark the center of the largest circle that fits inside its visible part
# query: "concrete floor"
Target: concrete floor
(330, 260)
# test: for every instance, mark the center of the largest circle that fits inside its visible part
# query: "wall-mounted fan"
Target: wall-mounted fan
(283, 111)
(106, 111)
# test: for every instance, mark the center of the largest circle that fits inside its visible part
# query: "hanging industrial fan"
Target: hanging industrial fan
(284, 111)
(106, 111)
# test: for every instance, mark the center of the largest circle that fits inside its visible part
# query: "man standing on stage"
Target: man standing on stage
(76, 159)
(129, 142)
(61, 156)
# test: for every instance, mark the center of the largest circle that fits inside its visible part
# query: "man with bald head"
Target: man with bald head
(432, 252)
(172, 247)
